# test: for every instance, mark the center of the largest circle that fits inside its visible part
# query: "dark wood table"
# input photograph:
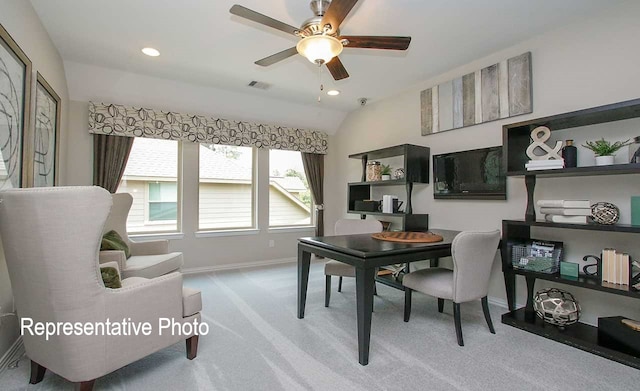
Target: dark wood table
(365, 254)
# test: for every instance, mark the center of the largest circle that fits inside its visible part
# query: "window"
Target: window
(226, 187)
(163, 201)
(290, 201)
(151, 176)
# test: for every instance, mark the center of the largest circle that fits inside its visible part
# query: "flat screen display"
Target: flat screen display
(475, 174)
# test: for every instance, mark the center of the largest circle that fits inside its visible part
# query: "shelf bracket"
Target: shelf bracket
(364, 168)
(409, 209)
(530, 182)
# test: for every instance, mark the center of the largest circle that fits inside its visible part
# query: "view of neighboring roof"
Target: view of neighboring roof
(159, 158)
(154, 158)
(289, 183)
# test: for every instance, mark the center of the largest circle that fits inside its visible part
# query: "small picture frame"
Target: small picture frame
(15, 99)
(46, 134)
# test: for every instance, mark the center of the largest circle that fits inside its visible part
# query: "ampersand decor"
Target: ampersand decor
(539, 142)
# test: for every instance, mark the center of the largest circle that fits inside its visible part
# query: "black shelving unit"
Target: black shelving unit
(516, 139)
(416, 161)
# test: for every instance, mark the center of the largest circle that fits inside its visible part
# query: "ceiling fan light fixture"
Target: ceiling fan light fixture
(333, 92)
(319, 49)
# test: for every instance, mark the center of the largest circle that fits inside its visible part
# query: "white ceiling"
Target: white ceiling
(202, 43)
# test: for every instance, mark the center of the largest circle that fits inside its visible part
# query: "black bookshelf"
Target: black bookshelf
(579, 335)
(416, 163)
(516, 139)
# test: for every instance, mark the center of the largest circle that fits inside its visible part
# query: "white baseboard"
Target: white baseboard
(12, 354)
(502, 303)
(231, 266)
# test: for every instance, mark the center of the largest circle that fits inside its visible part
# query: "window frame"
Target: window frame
(206, 232)
(312, 207)
(179, 196)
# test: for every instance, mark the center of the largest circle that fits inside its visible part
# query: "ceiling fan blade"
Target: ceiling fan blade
(246, 13)
(274, 58)
(376, 42)
(337, 11)
(337, 70)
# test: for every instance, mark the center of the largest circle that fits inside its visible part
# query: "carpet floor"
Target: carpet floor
(257, 343)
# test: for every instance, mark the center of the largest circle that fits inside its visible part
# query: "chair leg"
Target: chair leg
(340, 284)
(487, 315)
(192, 347)
(456, 319)
(85, 385)
(37, 373)
(327, 290)
(440, 305)
(407, 304)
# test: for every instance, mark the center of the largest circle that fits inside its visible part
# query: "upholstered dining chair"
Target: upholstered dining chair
(148, 259)
(340, 269)
(51, 238)
(472, 254)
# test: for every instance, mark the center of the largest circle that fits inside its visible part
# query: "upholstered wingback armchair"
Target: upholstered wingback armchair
(51, 239)
(148, 259)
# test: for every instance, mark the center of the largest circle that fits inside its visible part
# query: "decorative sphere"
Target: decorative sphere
(398, 173)
(605, 213)
(556, 307)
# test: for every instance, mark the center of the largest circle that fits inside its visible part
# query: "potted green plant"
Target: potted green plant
(385, 171)
(604, 150)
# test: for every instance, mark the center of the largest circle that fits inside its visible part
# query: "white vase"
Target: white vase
(386, 177)
(604, 160)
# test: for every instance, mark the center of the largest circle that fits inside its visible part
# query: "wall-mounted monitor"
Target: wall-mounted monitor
(477, 174)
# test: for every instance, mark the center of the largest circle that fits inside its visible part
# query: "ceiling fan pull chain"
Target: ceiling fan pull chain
(320, 81)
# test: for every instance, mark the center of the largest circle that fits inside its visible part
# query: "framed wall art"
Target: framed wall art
(15, 88)
(498, 91)
(46, 134)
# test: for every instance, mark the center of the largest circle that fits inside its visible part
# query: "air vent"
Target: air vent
(259, 85)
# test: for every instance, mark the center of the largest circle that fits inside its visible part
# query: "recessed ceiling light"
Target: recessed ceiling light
(333, 92)
(151, 52)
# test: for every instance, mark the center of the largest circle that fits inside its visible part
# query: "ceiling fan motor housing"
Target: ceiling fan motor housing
(319, 7)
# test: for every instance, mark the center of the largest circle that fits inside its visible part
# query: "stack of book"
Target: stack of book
(551, 164)
(616, 267)
(565, 211)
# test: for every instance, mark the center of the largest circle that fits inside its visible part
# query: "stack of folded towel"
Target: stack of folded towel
(565, 211)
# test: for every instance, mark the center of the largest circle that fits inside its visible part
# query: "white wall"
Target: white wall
(589, 63)
(21, 21)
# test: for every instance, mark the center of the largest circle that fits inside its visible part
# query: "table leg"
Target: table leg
(304, 261)
(364, 298)
(434, 262)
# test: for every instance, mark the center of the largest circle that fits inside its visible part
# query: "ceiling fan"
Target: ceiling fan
(320, 39)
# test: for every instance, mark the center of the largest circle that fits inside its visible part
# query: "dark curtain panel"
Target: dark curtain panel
(110, 155)
(314, 170)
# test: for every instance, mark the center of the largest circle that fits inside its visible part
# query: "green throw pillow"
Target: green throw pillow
(112, 241)
(110, 277)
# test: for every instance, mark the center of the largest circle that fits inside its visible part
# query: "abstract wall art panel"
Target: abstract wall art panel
(47, 120)
(15, 85)
(498, 91)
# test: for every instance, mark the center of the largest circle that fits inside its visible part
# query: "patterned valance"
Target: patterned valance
(120, 120)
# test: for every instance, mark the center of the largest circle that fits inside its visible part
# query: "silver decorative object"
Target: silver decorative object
(556, 307)
(605, 213)
(398, 173)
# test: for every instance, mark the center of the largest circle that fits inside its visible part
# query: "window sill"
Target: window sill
(235, 232)
(155, 236)
(286, 230)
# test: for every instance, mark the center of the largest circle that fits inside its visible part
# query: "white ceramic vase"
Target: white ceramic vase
(604, 160)
(386, 177)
